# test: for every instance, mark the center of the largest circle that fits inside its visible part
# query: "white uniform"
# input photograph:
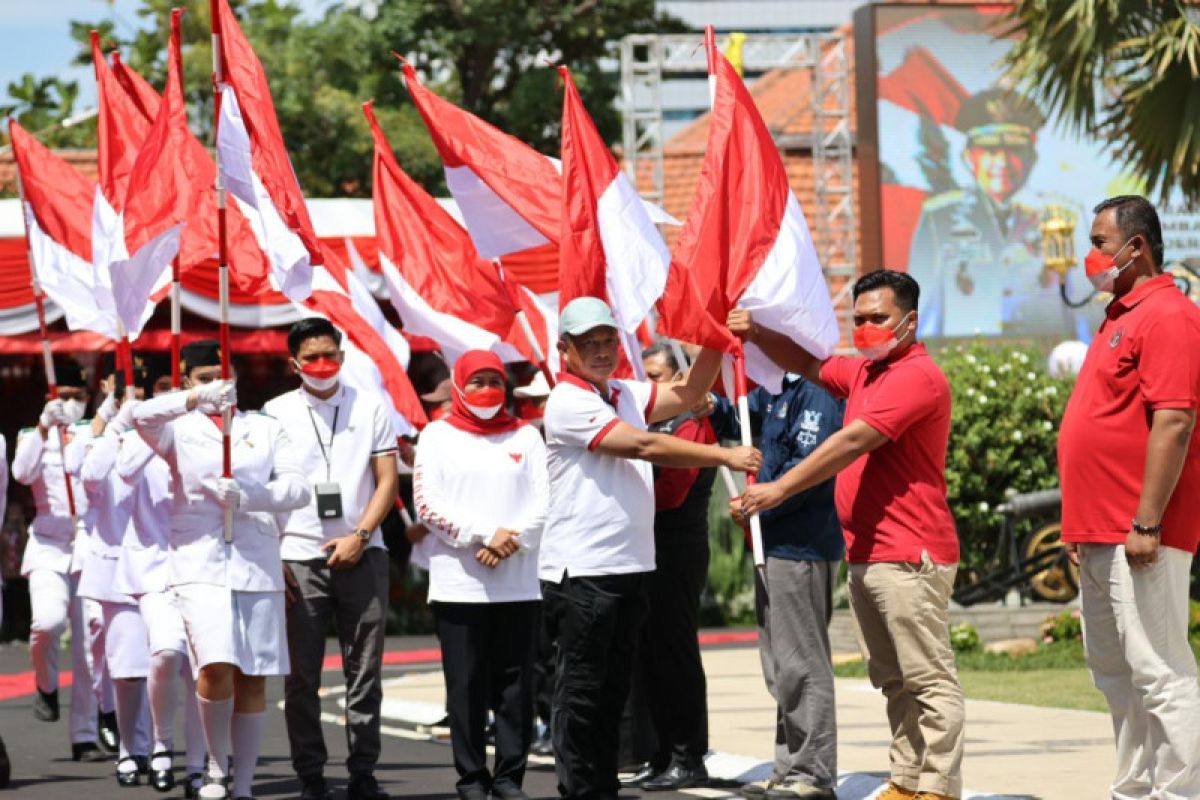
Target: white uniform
(229, 594)
(47, 563)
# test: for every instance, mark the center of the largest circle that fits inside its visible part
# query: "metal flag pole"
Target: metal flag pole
(739, 358)
(223, 261)
(176, 328)
(39, 303)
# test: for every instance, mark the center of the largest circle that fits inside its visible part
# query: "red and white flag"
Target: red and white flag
(506, 190)
(58, 203)
(608, 247)
(164, 188)
(380, 371)
(745, 242)
(254, 159)
(436, 279)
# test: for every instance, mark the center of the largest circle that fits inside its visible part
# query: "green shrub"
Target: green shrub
(1064, 627)
(729, 594)
(1003, 436)
(964, 638)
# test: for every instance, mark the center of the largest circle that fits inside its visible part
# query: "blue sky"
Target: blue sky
(35, 36)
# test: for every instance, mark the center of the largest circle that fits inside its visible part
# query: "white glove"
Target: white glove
(124, 419)
(229, 493)
(53, 414)
(108, 409)
(216, 396)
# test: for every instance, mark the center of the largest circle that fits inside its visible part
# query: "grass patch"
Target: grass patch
(1056, 655)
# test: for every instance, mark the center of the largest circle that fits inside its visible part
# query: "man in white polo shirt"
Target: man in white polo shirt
(598, 544)
(335, 564)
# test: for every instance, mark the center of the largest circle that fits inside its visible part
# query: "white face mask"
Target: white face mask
(485, 412)
(74, 410)
(319, 384)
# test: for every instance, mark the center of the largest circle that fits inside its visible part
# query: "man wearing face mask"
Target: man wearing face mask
(890, 494)
(48, 560)
(227, 583)
(598, 548)
(1130, 472)
(334, 558)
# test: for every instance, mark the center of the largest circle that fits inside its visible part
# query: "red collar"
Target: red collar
(1126, 302)
(575, 380)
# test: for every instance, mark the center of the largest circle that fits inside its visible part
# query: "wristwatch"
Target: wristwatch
(363, 535)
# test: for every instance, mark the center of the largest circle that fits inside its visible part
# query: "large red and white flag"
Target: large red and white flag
(506, 190)
(58, 203)
(248, 266)
(254, 159)
(163, 190)
(371, 364)
(436, 279)
(608, 247)
(745, 242)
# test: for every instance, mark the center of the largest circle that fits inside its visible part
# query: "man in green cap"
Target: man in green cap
(599, 541)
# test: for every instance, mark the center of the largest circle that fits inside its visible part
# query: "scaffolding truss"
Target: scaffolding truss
(648, 59)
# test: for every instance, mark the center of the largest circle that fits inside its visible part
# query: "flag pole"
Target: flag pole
(739, 358)
(39, 303)
(223, 262)
(176, 328)
(539, 357)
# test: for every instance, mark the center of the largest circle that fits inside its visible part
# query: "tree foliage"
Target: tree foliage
(1125, 71)
(42, 104)
(488, 55)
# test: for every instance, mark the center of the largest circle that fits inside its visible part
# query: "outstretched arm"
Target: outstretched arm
(783, 351)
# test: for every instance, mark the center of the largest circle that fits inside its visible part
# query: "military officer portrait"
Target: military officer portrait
(977, 249)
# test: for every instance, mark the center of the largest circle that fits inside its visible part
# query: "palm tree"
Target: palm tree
(1122, 71)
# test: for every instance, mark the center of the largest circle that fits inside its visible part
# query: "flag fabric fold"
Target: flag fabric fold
(435, 277)
(58, 207)
(746, 242)
(255, 163)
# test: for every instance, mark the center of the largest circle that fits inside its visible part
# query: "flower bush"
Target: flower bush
(1003, 436)
(1064, 627)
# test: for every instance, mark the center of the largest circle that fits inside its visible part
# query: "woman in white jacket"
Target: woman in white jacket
(229, 588)
(482, 489)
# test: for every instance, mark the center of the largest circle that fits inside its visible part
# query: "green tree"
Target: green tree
(485, 54)
(1125, 71)
(41, 105)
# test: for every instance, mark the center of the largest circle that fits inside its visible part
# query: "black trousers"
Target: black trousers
(487, 661)
(669, 667)
(598, 621)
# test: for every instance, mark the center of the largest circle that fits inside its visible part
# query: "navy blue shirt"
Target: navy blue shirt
(788, 427)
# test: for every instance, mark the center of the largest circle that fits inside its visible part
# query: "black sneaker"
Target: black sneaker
(45, 705)
(315, 788)
(364, 787)
(88, 752)
(110, 740)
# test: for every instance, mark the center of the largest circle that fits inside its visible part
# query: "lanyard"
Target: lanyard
(332, 432)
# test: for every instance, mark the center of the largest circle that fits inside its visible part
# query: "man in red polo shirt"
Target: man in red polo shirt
(890, 460)
(1131, 500)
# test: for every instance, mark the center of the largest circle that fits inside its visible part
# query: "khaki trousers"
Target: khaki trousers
(1135, 632)
(904, 635)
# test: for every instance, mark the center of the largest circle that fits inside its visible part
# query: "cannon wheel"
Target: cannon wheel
(1058, 583)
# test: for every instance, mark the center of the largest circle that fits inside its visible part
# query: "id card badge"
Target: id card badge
(329, 500)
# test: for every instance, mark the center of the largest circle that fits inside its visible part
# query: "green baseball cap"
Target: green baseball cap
(584, 313)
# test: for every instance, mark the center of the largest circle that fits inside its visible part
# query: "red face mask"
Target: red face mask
(1102, 270)
(321, 368)
(484, 403)
(875, 342)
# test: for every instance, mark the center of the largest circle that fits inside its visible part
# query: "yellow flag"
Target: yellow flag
(733, 51)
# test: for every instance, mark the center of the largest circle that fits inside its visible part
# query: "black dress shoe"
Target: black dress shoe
(192, 784)
(676, 777)
(508, 791)
(127, 777)
(163, 780)
(88, 752)
(472, 793)
(364, 787)
(110, 740)
(45, 705)
(5, 766)
(315, 788)
(644, 773)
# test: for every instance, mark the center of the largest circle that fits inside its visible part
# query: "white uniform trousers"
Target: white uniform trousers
(52, 602)
(1135, 632)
